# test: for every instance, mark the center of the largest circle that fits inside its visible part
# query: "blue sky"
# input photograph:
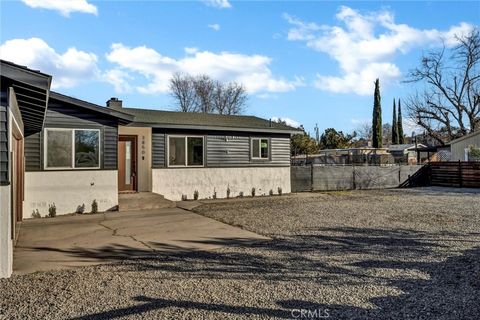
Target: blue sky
(311, 62)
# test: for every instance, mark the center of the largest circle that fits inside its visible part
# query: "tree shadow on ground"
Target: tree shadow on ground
(445, 281)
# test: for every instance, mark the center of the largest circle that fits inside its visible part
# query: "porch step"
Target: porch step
(142, 201)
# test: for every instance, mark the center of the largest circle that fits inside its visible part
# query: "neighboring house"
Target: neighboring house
(460, 147)
(406, 153)
(69, 152)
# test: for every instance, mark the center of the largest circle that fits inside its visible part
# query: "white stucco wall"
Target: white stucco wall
(69, 189)
(6, 246)
(172, 183)
(144, 162)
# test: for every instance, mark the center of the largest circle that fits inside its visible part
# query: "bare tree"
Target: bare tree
(364, 131)
(182, 90)
(204, 89)
(203, 94)
(229, 98)
(449, 106)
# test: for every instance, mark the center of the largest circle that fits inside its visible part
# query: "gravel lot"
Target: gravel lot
(391, 254)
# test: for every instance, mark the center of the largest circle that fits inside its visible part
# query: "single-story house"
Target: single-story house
(460, 147)
(60, 150)
(406, 153)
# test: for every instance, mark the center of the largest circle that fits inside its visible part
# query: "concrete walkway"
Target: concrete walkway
(71, 241)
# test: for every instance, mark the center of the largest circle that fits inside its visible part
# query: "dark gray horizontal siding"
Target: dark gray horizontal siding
(110, 145)
(228, 150)
(60, 115)
(33, 152)
(158, 150)
(280, 151)
(3, 142)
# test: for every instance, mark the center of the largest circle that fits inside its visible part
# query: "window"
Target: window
(185, 151)
(260, 148)
(72, 148)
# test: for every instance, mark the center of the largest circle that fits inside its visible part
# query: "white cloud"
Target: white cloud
(65, 7)
(251, 70)
(68, 69)
(362, 52)
(222, 4)
(119, 79)
(191, 50)
(288, 121)
(214, 26)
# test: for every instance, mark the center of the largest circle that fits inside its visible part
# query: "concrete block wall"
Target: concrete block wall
(331, 178)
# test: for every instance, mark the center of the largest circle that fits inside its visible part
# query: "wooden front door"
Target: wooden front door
(127, 164)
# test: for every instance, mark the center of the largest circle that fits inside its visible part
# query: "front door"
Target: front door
(127, 164)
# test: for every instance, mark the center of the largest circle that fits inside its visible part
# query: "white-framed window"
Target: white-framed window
(72, 149)
(185, 151)
(260, 148)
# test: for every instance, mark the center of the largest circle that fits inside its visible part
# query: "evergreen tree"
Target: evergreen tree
(401, 136)
(394, 124)
(377, 118)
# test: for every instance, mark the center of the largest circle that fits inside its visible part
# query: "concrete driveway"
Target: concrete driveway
(71, 241)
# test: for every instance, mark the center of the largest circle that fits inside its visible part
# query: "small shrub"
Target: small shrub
(195, 195)
(228, 192)
(270, 192)
(52, 210)
(280, 191)
(80, 209)
(184, 197)
(94, 206)
(253, 192)
(36, 214)
(474, 152)
(240, 194)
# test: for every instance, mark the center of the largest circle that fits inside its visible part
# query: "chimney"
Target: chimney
(114, 102)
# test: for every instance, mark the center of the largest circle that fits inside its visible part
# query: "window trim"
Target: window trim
(260, 148)
(72, 167)
(186, 151)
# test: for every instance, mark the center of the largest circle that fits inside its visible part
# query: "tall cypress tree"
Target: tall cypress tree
(377, 118)
(401, 137)
(394, 124)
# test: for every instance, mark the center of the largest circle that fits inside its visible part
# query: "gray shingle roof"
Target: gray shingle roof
(193, 120)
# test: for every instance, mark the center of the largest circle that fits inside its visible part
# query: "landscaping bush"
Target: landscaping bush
(52, 210)
(36, 214)
(94, 206)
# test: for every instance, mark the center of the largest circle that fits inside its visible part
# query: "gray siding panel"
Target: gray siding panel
(280, 151)
(110, 145)
(3, 144)
(227, 150)
(33, 154)
(158, 150)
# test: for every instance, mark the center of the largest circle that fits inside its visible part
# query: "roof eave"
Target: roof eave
(126, 117)
(213, 128)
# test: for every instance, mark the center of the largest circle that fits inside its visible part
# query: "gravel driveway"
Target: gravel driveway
(391, 254)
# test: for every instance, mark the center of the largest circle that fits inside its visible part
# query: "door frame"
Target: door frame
(134, 139)
(17, 178)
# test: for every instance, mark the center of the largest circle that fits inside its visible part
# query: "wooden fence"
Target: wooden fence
(454, 174)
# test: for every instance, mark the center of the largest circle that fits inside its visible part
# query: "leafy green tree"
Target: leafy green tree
(394, 125)
(401, 136)
(302, 143)
(377, 118)
(333, 139)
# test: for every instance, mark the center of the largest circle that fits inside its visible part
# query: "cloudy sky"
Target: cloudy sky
(308, 62)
